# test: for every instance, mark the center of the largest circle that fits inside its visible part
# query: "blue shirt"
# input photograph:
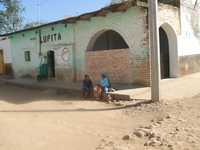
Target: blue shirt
(105, 82)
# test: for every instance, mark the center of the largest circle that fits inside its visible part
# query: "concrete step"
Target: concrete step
(120, 97)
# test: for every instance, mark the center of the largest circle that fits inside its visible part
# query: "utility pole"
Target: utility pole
(155, 49)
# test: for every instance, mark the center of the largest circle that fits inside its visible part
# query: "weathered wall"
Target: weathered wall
(63, 49)
(131, 25)
(114, 63)
(169, 15)
(169, 21)
(133, 30)
(190, 29)
(71, 50)
(29, 41)
(189, 48)
(20, 43)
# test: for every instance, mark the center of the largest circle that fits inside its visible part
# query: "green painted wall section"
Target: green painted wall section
(19, 44)
(29, 41)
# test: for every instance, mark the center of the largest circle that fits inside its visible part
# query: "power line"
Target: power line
(39, 4)
(38, 10)
(196, 4)
(190, 6)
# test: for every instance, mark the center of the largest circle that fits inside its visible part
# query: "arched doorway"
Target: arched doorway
(107, 40)
(168, 52)
(164, 54)
(108, 53)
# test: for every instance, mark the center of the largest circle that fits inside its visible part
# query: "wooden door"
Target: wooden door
(1, 62)
(51, 63)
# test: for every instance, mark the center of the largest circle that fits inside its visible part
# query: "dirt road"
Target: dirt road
(38, 120)
(176, 128)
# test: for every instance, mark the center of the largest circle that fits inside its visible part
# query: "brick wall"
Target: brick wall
(144, 71)
(114, 63)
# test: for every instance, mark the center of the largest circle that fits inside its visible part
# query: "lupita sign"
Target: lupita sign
(51, 38)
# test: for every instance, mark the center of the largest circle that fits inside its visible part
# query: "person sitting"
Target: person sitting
(98, 92)
(105, 83)
(87, 89)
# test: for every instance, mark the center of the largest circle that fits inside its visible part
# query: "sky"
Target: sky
(52, 10)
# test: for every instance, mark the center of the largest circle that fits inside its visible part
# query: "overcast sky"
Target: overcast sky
(51, 10)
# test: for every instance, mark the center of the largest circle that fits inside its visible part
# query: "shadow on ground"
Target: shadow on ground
(79, 110)
(21, 95)
(18, 95)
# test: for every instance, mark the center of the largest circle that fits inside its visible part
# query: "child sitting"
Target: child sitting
(87, 87)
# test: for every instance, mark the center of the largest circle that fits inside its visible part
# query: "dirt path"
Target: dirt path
(48, 128)
(30, 119)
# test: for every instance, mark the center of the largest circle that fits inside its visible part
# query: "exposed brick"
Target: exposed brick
(115, 63)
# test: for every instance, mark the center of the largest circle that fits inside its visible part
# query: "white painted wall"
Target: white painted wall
(5, 46)
(189, 41)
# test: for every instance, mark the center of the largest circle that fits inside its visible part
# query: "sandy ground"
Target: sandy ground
(174, 88)
(38, 120)
(177, 127)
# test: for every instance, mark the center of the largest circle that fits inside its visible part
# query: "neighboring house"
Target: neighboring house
(5, 56)
(113, 40)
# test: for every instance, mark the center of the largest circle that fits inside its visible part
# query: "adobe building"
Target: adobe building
(114, 41)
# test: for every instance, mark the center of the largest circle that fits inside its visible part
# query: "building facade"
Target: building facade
(113, 40)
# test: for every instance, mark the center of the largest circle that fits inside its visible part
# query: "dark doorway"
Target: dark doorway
(51, 63)
(164, 55)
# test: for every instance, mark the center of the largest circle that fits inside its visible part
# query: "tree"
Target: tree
(117, 1)
(32, 24)
(10, 16)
